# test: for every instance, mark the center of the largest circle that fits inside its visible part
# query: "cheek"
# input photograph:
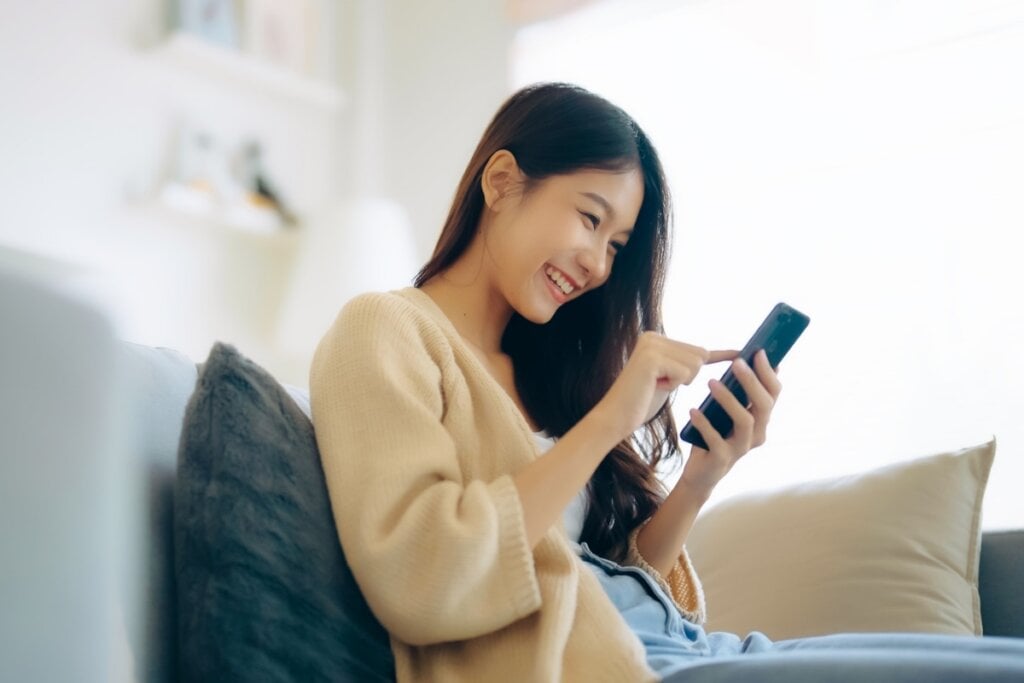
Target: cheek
(602, 281)
(542, 240)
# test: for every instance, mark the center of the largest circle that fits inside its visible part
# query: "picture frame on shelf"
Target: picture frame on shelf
(215, 21)
(282, 32)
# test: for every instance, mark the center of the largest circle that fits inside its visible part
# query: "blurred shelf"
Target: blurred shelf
(213, 225)
(199, 56)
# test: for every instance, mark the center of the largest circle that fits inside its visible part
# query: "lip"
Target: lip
(557, 294)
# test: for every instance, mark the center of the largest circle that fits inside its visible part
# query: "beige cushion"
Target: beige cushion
(893, 549)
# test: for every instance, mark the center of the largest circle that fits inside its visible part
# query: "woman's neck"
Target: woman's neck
(476, 309)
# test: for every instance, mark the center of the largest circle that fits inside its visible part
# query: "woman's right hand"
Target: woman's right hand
(657, 366)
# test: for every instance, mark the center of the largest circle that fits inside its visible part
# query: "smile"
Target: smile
(560, 280)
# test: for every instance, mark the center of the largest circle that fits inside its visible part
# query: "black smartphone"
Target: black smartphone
(776, 336)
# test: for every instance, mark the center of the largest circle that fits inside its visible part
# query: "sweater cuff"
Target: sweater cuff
(516, 556)
(682, 583)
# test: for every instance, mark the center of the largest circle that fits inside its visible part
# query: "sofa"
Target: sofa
(88, 496)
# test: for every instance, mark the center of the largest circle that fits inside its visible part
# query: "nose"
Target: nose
(594, 260)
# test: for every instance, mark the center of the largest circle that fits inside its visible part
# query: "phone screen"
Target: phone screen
(776, 335)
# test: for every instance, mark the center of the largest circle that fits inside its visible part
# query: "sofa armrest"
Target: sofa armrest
(1000, 577)
(60, 459)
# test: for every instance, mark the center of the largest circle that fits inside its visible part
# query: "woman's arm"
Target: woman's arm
(438, 557)
(547, 485)
(661, 540)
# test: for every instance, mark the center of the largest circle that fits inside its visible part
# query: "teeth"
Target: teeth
(559, 280)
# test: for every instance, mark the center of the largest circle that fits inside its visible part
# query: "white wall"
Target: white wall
(447, 72)
(86, 111)
(861, 161)
(423, 79)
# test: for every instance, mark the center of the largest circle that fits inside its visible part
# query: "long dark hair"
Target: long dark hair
(563, 368)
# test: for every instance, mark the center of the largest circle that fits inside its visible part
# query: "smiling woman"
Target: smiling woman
(519, 394)
(546, 278)
(562, 180)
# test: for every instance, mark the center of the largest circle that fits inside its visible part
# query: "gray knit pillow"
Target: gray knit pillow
(264, 593)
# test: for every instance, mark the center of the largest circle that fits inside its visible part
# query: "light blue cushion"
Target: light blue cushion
(159, 383)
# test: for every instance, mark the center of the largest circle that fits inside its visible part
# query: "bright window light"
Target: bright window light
(863, 162)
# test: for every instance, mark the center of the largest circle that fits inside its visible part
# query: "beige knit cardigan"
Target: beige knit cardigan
(419, 444)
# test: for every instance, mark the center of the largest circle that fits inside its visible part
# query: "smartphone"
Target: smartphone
(776, 336)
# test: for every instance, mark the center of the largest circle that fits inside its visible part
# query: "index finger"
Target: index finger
(719, 355)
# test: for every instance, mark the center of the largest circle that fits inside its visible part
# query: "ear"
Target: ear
(501, 178)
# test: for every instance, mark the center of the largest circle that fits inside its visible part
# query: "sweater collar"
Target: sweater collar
(422, 300)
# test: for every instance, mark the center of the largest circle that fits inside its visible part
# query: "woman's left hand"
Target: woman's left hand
(706, 467)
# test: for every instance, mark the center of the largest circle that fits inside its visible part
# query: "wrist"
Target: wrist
(608, 423)
(696, 492)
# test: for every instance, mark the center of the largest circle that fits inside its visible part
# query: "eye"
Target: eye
(616, 247)
(594, 220)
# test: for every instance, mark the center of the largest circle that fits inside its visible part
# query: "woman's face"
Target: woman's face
(559, 240)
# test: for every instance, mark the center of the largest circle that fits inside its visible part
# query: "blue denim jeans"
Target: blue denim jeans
(679, 650)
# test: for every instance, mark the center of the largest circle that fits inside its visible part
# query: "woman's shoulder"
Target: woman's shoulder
(397, 304)
(404, 312)
(391, 303)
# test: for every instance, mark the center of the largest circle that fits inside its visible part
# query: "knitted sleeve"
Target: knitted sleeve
(682, 582)
(436, 557)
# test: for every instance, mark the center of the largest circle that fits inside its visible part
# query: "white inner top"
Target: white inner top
(577, 509)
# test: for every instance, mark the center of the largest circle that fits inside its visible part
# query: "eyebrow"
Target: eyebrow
(606, 206)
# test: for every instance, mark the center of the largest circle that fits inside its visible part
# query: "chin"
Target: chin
(538, 314)
(538, 317)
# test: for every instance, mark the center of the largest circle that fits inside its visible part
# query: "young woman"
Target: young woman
(490, 436)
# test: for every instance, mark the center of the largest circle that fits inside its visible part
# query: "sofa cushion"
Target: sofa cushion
(264, 592)
(999, 578)
(893, 549)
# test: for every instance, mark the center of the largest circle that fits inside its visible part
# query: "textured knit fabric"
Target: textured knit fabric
(681, 583)
(419, 444)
